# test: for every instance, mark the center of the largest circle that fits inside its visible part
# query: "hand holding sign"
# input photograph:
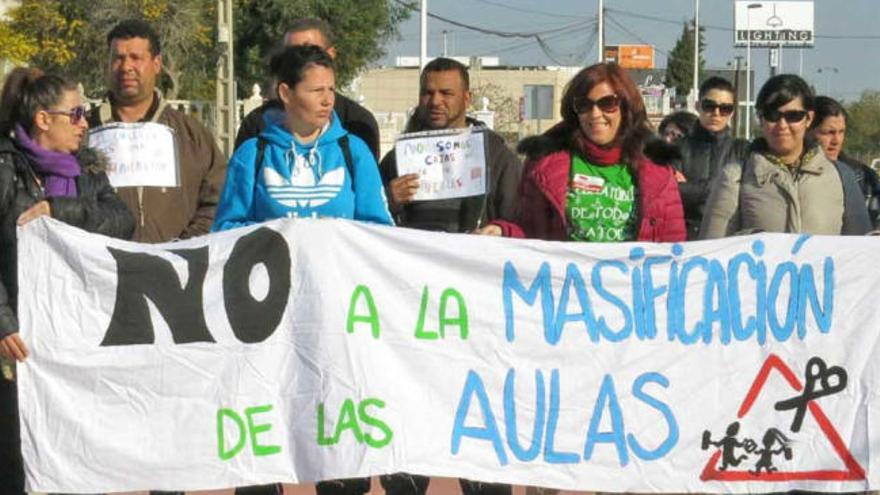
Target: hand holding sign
(831, 380)
(403, 189)
(448, 164)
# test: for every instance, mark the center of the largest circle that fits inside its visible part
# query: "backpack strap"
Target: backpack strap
(346, 155)
(261, 154)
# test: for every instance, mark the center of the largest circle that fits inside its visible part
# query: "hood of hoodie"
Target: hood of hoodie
(299, 155)
(276, 133)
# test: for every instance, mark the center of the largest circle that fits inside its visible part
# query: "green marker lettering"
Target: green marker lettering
(221, 434)
(348, 421)
(322, 439)
(382, 441)
(420, 324)
(461, 321)
(372, 318)
(260, 450)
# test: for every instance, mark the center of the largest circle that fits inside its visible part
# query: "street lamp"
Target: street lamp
(749, 9)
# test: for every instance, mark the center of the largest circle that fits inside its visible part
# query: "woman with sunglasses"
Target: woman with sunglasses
(707, 149)
(588, 179)
(42, 172)
(786, 184)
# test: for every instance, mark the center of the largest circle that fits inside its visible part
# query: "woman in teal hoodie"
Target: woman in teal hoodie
(304, 164)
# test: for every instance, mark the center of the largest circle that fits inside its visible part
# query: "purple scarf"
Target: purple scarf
(58, 170)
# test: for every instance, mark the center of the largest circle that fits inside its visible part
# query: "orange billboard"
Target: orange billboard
(631, 56)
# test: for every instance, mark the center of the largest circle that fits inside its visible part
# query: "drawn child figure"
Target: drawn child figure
(771, 437)
(728, 446)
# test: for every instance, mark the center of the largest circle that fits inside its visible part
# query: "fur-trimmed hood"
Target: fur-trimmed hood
(92, 160)
(558, 138)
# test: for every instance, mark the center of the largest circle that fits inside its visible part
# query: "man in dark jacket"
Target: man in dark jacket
(353, 117)
(709, 147)
(161, 213)
(443, 101)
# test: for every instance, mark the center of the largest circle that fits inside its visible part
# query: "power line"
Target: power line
(492, 32)
(537, 36)
(520, 45)
(529, 11)
(730, 30)
(638, 38)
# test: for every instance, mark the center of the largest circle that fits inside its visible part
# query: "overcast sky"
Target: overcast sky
(856, 60)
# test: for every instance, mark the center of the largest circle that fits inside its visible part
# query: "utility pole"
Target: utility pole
(445, 46)
(225, 117)
(736, 66)
(801, 64)
(423, 52)
(601, 28)
(696, 49)
(749, 9)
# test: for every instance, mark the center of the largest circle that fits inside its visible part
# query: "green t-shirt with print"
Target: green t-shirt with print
(600, 203)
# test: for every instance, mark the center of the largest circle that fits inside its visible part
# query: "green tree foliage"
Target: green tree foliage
(863, 126)
(69, 37)
(37, 31)
(361, 28)
(680, 64)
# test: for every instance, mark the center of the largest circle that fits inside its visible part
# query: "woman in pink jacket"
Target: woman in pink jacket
(588, 179)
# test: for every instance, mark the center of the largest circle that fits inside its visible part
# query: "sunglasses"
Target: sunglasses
(607, 104)
(76, 113)
(790, 116)
(709, 106)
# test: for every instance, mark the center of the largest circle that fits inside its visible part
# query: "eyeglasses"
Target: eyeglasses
(709, 106)
(76, 113)
(607, 104)
(790, 116)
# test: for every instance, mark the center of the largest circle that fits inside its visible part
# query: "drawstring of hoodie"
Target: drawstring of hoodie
(309, 160)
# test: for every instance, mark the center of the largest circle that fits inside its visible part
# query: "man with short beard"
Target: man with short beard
(161, 213)
(444, 97)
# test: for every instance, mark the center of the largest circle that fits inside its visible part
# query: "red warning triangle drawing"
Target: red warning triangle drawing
(853, 471)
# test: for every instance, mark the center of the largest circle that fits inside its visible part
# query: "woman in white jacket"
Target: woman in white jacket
(786, 183)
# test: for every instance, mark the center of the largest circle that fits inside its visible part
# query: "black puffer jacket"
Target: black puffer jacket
(703, 154)
(96, 209)
(869, 183)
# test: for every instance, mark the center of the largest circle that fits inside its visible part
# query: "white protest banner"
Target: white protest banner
(450, 163)
(319, 349)
(141, 154)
